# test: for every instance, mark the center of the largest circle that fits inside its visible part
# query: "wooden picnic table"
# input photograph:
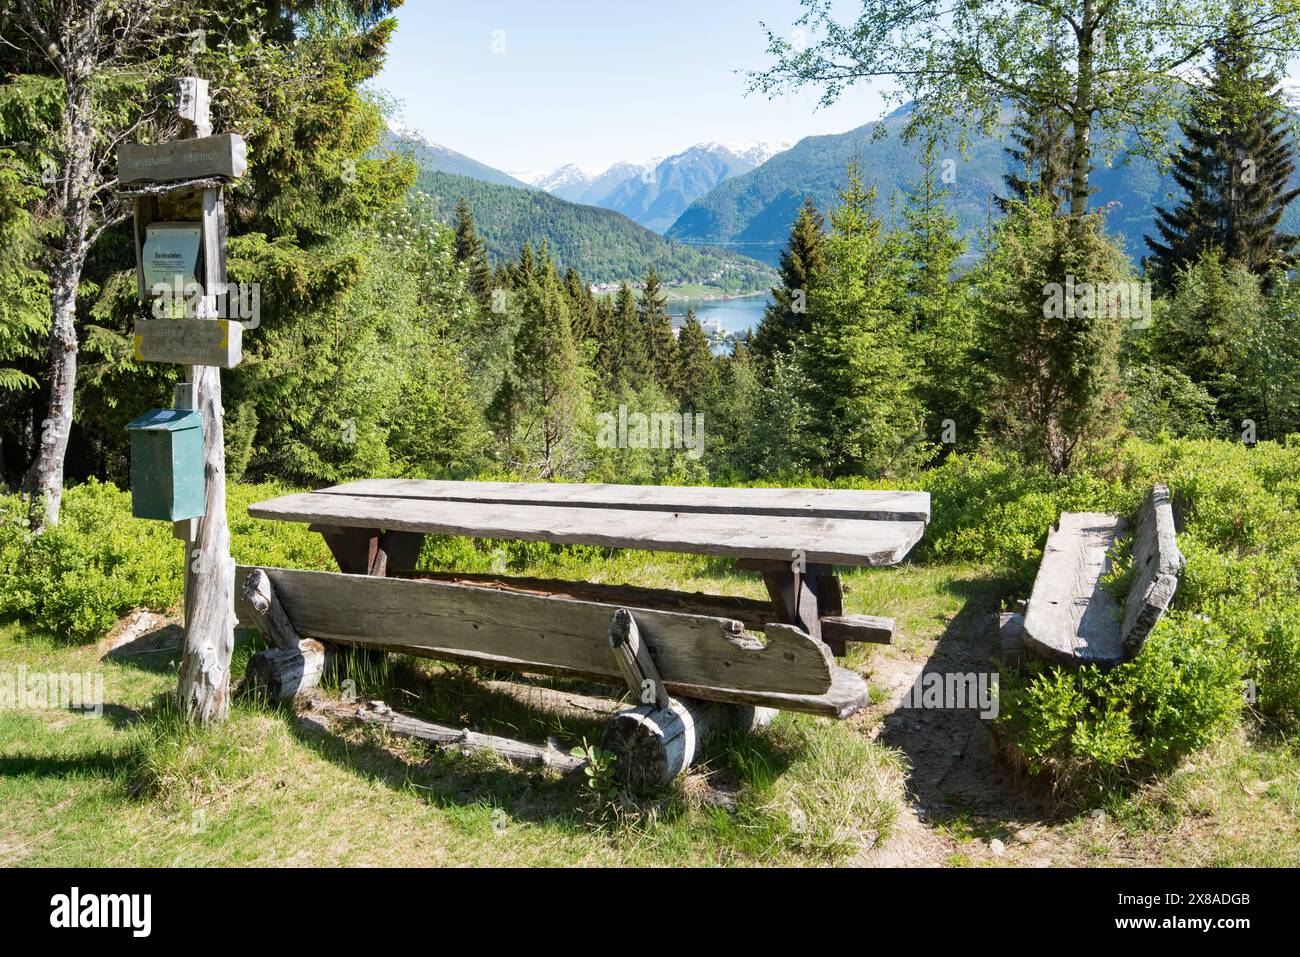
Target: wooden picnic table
(793, 537)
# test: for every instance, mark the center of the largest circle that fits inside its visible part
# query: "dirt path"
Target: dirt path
(964, 804)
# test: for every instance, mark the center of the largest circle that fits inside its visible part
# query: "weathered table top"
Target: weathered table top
(825, 526)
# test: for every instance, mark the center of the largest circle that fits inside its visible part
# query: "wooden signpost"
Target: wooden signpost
(202, 342)
(182, 181)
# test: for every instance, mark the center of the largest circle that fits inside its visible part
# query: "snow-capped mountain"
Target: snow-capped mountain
(435, 156)
(655, 192)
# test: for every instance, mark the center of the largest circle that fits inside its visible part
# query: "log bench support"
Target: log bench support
(659, 739)
(293, 664)
(371, 551)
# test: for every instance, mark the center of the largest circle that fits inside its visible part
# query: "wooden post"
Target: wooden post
(204, 690)
(634, 662)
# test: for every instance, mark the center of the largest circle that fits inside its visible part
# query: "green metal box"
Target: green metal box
(167, 477)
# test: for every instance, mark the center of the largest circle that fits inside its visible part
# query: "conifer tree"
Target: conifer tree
(524, 271)
(785, 320)
(661, 346)
(471, 253)
(1050, 331)
(631, 365)
(936, 306)
(1234, 169)
(863, 408)
(607, 362)
(582, 306)
(540, 403)
(695, 360)
(1040, 154)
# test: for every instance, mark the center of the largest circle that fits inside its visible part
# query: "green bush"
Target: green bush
(78, 578)
(1093, 731)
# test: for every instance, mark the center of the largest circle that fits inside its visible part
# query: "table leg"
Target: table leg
(801, 597)
(370, 551)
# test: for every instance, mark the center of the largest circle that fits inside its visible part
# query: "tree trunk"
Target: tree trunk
(45, 477)
(1081, 120)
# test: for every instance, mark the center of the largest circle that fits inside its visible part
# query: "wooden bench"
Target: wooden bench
(1072, 617)
(704, 648)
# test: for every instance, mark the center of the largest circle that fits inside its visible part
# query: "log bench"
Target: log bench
(1072, 616)
(709, 659)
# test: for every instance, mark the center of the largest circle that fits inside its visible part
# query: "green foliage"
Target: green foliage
(598, 772)
(1234, 167)
(1050, 331)
(76, 579)
(657, 328)
(938, 311)
(786, 320)
(543, 402)
(1163, 401)
(854, 360)
(699, 373)
(1096, 731)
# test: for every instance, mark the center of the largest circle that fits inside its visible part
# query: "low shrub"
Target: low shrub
(76, 579)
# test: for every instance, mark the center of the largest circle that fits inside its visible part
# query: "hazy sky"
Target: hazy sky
(524, 85)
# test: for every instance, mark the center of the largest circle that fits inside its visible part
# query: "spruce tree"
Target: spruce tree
(785, 320)
(1040, 156)
(630, 367)
(539, 406)
(661, 346)
(862, 407)
(1050, 331)
(582, 305)
(471, 253)
(524, 271)
(1234, 169)
(695, 360)
(607, 362)
(936, 307)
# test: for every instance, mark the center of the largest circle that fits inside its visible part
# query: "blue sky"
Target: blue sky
(531, 86)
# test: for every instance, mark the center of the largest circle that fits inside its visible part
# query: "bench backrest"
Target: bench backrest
(1156, 564)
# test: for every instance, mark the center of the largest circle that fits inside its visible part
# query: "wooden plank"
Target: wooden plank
(1071, 618)
(440, 620)
(820, 540)
(1156, 565)
(848, 694)
(869, 628)
(905, 506)
(752, 613)
(199, 342)
(222, 155)
(634, 661)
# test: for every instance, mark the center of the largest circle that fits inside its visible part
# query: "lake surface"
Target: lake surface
(735, 315)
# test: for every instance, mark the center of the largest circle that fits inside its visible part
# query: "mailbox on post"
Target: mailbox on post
(167, 477)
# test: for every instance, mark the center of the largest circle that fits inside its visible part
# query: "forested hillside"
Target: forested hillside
(752, 213)
(602, 245)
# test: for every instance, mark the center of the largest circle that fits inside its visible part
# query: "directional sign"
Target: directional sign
(191, 342)
(223, 155)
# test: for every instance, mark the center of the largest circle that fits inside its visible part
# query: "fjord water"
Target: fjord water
(735, 315)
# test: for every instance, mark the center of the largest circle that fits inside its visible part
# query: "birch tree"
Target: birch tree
(96, 61)
(1110, 69)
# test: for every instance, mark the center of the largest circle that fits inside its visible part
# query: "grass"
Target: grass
(138, 787)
